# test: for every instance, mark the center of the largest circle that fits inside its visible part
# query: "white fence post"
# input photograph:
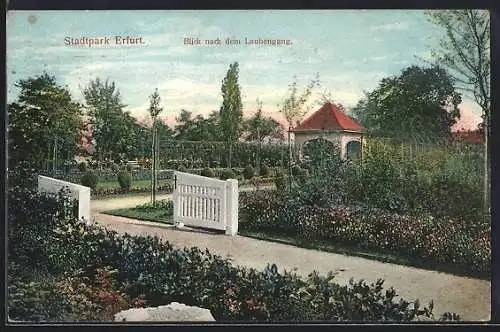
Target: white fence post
(176, 198)
(231, 211)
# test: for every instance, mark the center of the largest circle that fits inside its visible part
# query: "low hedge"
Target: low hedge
(154, 271)
(100, 192)
(248, 172)
(208, 172)
(441, 240)
(260, 181)
(227, 174)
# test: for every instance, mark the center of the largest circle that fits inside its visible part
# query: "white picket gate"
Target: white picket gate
(205, 202)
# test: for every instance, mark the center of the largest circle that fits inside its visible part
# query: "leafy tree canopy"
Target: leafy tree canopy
(198, 128)
(465, 51)
(111, 126)
(259, 128)
(43, 122)
(420, 103)
(231, 113)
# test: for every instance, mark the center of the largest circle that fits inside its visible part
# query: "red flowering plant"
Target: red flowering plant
(97, 297)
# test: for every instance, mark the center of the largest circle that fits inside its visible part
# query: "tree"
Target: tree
(293, 106)
(209, 127)
(154, 111)
(258, 128)
(140, 142)
(105, 111)
(184, 124)
(197, 128)
(421, 103)
(45, 124)
(293, 109)
(231, 112)
(125, 144)
(163, 131)
(465, 51)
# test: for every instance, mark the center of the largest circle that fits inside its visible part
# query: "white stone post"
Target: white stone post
(84, 205)
(81, 193)
(231, 207)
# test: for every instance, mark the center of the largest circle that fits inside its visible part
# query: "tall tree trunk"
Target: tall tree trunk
(486, 207)
(157, 162)
(46, 159)
(54, 157)
(100, 158)
(153, 196)
(289, 158)
(258, 149)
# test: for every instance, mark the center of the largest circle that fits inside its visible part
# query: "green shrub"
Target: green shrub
(125, 180)
(326, 186)
(89, 179)
(82, 167)
(450, 196)
(248, 172)
(129, 168)
(24, 174)
(227, 174)
(115, 167)
(34, 300)
(279, 180)
(182, 168)
(304, 175)
(264, 170)
(296, 170)
(208, 172)
(429, 180)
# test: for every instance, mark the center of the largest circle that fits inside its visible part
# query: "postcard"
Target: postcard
(249, 165)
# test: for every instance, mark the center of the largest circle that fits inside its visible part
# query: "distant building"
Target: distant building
(332, 124)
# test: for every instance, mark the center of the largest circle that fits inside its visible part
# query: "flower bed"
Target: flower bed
(438, 240)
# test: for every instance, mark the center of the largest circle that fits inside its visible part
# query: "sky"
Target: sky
(352, 50)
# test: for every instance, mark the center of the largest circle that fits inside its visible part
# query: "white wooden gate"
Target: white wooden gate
(205, 202)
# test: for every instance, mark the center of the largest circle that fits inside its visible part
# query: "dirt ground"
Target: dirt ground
(468, 297)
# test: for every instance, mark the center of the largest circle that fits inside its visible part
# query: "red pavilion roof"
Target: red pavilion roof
(330, 118)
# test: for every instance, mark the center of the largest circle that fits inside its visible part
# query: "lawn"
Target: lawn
(162, 212)
(156, 216)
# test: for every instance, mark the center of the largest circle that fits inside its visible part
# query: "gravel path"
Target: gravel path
(468, 297)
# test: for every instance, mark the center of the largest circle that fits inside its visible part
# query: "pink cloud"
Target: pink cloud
(469, 119)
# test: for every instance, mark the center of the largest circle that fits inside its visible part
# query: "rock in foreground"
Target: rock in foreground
(174, 312)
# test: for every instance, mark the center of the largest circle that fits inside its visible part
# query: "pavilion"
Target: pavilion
(332, 124)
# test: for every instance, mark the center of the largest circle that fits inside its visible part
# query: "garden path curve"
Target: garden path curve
(468, 297)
